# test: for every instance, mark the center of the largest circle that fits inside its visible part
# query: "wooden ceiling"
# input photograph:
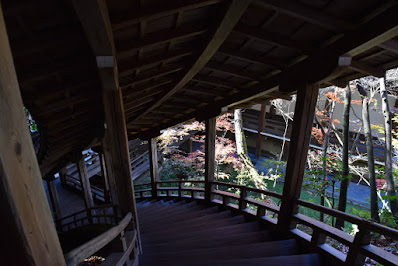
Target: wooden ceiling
(184, 59)
(179, 60)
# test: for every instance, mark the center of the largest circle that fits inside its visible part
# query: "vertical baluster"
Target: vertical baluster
(243, 196)
(260, 211)
(180, 189)
(226, 200)
(318, 238)
(362, 238)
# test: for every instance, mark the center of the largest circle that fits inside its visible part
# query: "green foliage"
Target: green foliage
(31, 123)
(176, 169)
(386, 217)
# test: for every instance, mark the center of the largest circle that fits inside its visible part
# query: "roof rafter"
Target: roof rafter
(233, 14)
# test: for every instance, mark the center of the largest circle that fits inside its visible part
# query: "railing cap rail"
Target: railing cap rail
(78, 254)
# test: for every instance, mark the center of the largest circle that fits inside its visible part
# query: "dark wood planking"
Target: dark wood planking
(158, 11)
(127, 48)
(164, 71)
(234, 11)
(272, 62)
(128, 67)
(308, 14)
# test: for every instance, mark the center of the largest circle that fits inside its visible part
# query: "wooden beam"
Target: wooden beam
(127, 48)
(85, 182)
(28, 233)
(160, 10)
(210, 156)
(52, 191)
(308, 14)
(128, 67)
(234, 12)
(299, 144)
(153, 162)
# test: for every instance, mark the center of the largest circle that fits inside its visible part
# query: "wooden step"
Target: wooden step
(205, 242)
(206, 232)
(293, 260)
(174, 217)
(182, 222)
(247, 251)
(189, 227)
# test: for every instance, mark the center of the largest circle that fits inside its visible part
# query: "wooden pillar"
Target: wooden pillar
(261, 125)
(153, 162)
(104, 174)
(28, 235)
(116, 151)
(85, 182)
(62, 176)
(300, 139)
(210, 156)
(52, 191)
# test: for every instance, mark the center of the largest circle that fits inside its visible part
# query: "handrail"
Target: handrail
(369, 225)
(359, 245)
(82, 252)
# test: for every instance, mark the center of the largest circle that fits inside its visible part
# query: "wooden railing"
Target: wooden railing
(104, 214)
(129, 246)
(263, 205)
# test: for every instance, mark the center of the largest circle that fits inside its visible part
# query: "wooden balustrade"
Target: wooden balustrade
(242, 198)
(104, 214)
(129, 243)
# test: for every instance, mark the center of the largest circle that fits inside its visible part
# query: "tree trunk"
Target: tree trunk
(240, 138)
(374, 209)
(345, 182)
(388, 149)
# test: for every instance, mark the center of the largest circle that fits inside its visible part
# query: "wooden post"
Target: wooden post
(116, 151)
(52, 191)
(300, 139)
(210, 156)
(261, 125)
(27, 231)
(85, 182)
(105, 177)
(62, 176)
(153, 162)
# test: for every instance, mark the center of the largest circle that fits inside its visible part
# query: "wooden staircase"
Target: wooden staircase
(188, 233)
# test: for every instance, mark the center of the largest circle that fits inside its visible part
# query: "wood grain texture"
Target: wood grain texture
(21, 182)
